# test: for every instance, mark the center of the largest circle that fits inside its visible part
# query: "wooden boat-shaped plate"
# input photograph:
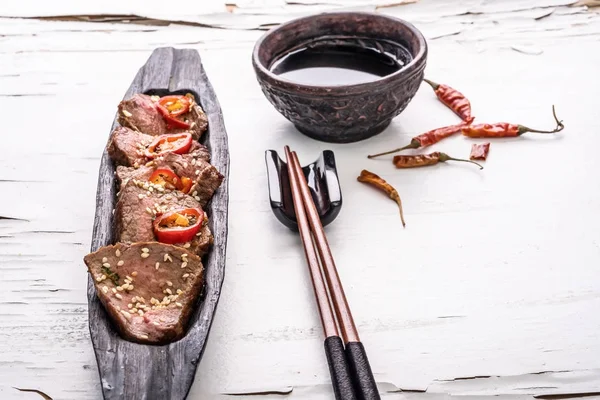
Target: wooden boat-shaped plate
(135, 371)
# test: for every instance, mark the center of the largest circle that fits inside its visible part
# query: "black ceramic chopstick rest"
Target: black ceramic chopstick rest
(323, 182)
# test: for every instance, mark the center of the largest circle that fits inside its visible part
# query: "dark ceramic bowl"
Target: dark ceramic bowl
(342, 114)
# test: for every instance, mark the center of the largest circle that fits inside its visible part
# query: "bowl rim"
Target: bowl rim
(342, 90)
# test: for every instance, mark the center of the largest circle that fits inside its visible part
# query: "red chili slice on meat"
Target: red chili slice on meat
(172, 106)
(168, 179)
(174, 123)
(178, 143)
(178, 226)
(186, 184)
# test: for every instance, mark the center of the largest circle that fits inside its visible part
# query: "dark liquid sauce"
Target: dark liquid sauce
(329, 65)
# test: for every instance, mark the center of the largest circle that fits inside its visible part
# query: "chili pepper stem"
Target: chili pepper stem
(559, 126)
(396, 198)
(414, 144)
(433, 84)
(445, 157)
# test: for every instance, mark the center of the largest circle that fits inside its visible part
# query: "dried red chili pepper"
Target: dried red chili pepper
(423, 160)
(479, 151)
(380, 183)
(504, 129)
(427, 138)
(453, 99)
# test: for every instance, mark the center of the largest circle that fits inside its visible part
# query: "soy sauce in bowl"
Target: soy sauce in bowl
(340, 77)
(330, 65)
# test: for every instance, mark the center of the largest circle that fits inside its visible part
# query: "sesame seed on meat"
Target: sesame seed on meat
(205, 177)
(135, 225)
(114, 268)
(146, 117)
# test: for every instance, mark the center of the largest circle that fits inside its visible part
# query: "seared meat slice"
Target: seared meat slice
(148, 289)
(126, 147)
(140, 113)
(206, 179)
(138, 204)
(198, 120)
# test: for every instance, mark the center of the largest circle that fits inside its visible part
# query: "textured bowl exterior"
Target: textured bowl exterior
(342, 114)
(345, 119)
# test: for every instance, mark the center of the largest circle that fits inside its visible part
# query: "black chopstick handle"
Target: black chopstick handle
(339, 370)
(363, 378)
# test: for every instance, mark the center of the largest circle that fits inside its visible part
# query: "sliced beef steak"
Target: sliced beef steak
(149, 289)
(198, 120)
(127, 147)
(139, 202)
(141, 114)
(206, 179)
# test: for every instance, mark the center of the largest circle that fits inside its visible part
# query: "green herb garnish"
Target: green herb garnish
(112, 275)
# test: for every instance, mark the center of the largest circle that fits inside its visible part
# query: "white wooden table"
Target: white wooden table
(493, 288)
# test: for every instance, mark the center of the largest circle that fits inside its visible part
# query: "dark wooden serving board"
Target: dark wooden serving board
(134, 371)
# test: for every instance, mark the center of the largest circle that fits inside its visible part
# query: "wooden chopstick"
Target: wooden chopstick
(356, 354)
(334, 347)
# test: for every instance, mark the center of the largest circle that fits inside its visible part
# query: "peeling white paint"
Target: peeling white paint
(495, 275)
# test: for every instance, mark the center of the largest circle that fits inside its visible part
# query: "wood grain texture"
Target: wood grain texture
(495, 275)
(129, 370)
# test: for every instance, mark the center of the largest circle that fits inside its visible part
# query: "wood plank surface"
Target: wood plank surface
(491, 290)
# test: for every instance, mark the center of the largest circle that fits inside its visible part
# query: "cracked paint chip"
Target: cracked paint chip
(261, 392)
(531, 50)
(44, 395)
